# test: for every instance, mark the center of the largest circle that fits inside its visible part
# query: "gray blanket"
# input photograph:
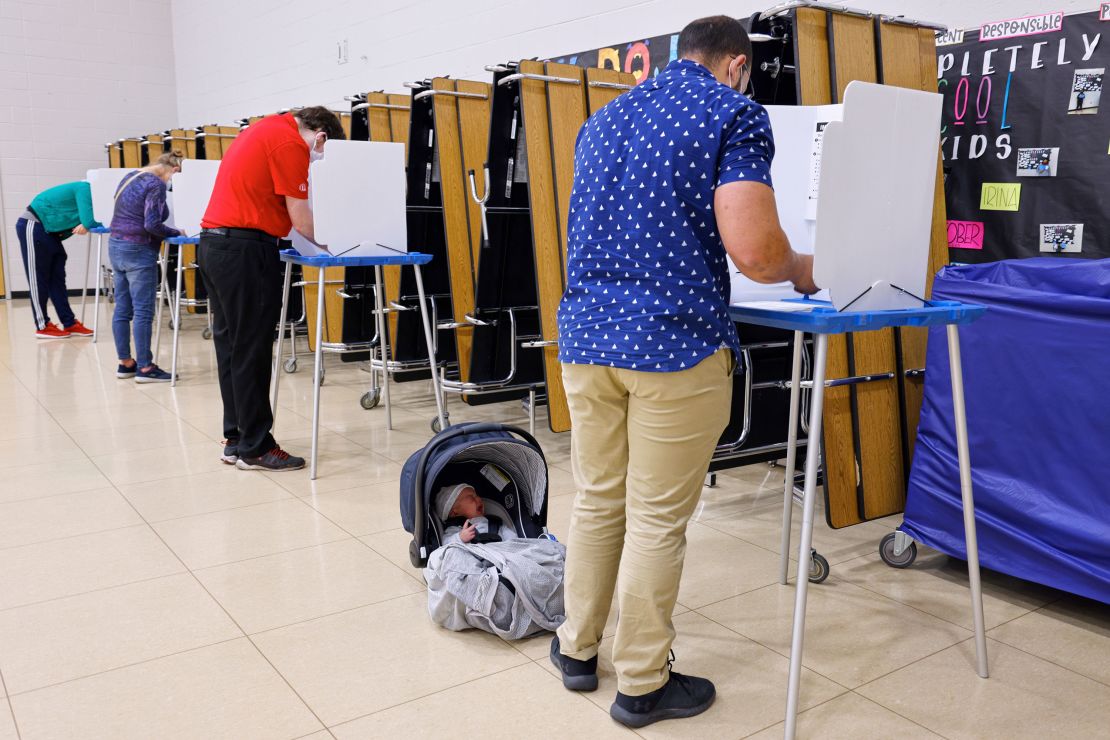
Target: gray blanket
(467, 586)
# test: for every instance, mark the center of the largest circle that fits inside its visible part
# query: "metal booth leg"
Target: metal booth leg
(801, 583)
(383, 344)
(88, 266)
(163, 291)
(96, 295)
(317, 371)
(276, 375)
(532, 410)
(431, 348)
(791, 459)
(955, 366)
(176, 320)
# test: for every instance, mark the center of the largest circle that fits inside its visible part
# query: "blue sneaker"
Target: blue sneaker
(125, 371)
(154, 375)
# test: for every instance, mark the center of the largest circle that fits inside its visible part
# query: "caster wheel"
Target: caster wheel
(370, 399)
(436, 427)
(290, 365)
(903, 560)
(207, 333)
(414, 556)
(818, 568)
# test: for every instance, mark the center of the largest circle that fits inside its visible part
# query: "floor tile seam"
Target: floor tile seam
(230, 616)
(709, 523)
(423, 584)
(440, 691)
(833, 681)
(287, 497)
(731, 596)
(291, 497)
(922, 659)
(922, 611)
(317, 493)
(104, 486)
(335, 613)
(125, 666)
(318, 617)
(89, 592)
(266, 555)
(851, 688)
(1046, 660)
(5, 548)
(800, 713)
(899, 714)
(8, 703)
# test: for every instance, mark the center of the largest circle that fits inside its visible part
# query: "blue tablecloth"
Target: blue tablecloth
(1035, 374)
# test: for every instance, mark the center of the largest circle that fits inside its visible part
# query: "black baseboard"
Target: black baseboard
(72, 293)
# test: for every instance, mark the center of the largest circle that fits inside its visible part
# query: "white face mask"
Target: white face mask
(315, 147)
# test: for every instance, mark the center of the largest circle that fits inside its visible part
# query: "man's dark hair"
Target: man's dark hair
(319, 118)
(710, 39)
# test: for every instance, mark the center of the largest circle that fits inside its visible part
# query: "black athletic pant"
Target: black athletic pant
(243, 280)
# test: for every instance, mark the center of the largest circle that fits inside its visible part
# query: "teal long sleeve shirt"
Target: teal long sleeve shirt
(63, 207)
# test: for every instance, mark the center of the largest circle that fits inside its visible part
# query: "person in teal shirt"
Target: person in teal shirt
(53, 216)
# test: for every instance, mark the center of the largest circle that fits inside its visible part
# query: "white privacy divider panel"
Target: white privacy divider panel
(875, 208)
(103, 183)
(192, 189)
(357, 192)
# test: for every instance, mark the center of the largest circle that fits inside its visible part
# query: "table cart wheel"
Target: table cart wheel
(818, 567)
(290, 365)
(436, 425)
(370, 398)
(206, 333)
(901, 560)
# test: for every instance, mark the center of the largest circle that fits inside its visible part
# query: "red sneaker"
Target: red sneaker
(79, 329)
(52, 331)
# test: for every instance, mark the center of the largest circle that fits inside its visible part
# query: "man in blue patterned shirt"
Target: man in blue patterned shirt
(671, 180)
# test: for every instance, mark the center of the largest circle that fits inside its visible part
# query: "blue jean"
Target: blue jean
(135, 273)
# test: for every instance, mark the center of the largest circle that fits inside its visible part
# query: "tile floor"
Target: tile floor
(148, 591)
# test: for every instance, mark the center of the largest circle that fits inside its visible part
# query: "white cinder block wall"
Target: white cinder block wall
(256, 56)
(73, 75)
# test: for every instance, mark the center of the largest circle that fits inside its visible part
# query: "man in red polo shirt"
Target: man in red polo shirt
(261, 192)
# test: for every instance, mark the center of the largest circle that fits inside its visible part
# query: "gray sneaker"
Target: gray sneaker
(231, 452)
(276, 460)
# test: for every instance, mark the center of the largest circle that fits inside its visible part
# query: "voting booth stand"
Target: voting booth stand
(878, 166)
(348, 326)
(806, 54)
(358, 202)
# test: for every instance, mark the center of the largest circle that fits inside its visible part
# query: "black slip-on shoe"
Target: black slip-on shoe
(682, 696)
(578, 675)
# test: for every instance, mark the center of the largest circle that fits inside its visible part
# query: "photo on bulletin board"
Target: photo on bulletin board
(1023, 145)
(1037, 162)
(1062, 238)
(1086, 89)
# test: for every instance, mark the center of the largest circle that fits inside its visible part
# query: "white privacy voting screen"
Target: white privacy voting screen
(191, 190)
(357, 193)
(103, 183)
(854, 185)
(875, 209)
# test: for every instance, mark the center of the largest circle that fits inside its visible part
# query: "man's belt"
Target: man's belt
(252, 234)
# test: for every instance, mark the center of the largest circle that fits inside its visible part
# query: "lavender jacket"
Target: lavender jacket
(141, 211)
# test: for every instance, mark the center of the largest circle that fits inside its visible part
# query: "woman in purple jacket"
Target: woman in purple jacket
(138, 228)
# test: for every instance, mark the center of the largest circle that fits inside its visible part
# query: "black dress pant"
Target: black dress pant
(243, 278)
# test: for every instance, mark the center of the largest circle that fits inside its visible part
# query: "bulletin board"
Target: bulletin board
(1026, 138)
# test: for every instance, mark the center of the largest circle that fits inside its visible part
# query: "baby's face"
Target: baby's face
(468, 504)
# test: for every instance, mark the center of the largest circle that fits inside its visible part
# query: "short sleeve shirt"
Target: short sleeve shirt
(265, 163)
(647, 273)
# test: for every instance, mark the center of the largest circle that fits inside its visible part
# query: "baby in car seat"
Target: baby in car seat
(463, 513)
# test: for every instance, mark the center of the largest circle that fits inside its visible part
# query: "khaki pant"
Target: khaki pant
(642, 446)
